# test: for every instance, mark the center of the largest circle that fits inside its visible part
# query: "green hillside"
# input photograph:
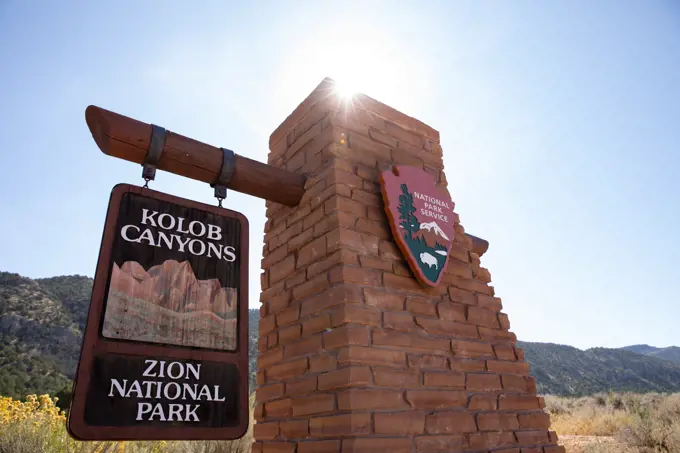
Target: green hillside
(671, 353)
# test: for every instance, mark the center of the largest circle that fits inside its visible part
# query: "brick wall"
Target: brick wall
(354, 354)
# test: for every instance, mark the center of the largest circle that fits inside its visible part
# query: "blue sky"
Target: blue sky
(560, 124)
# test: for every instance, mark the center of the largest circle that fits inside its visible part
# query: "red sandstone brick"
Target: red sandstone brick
(267, 324)
(318, 403)
(384, 300)
(301, 239)
(358, 355)
(355, 314)
(468, 365)
(300, 387)
(290, 333)
(519, 352)
(297, 279)
(489, 302)
(278, 447)
(268, 392)
(352, 240)
(258, 412)
(316, 324)
(396, 378)
(451, 311)
(497, 336)
(483, 382)
(294, 429)
(353, 376)
(399, 282)
(483, 275)
(461, 296)
(338, 257)
(303, 347)
(504, 321)
(532, 437)
(313, 286)
(288, 316)
(450, 423)
(404, 322)
(256, 447)
(491, 440)
(279, 302)
(287, 370)
(365, 399)
(440, 327)
(427, 362)
(486, 402)
(340, 425)
(275, 256)
(504, 352)
(436, 399)
(359, 275)
(319, 446)
(497, 422)
(331, 222)
(406, 423)
(388, 250)
(266, 431)
(537, 420)
(471, 349)
(470, 285)
(458, 268)
(322, 363)
(383, 138)
(337, 295)
(261, 378)
(369, 199)
(483, 317)
(312, 252)
(532, 450)
(268, 358)
(375, 263)
(346, 336)
(521, 368)
(421, 306)
(371, 445)
(518, 402)
(522, 384)
(279, 408)
(438, 444)
(411, 341)
(273, 339)
(262, 344)
(553, 437)
(338, 203)
(447, 379)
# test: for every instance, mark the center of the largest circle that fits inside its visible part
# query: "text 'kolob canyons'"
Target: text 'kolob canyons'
(193, 236)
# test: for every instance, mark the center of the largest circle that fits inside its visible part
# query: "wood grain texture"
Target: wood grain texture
(128, 139)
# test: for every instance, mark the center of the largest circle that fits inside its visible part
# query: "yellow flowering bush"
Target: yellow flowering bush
(37, 425)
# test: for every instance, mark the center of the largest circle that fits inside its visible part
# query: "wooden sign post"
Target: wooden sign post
(165, 350)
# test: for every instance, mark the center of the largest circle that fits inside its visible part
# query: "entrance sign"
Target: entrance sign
(165, 349)
(421, 220)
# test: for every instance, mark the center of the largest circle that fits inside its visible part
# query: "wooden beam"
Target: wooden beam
(128, 139)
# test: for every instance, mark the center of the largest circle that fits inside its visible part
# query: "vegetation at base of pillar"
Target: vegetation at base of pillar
(417, 243)
(39, 425)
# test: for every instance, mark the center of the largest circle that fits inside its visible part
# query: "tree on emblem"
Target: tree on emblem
(407, 212)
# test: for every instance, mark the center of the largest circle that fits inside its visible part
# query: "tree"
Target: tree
(407, 212)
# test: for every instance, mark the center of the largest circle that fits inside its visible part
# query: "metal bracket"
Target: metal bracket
(226, 173)
(153, 154)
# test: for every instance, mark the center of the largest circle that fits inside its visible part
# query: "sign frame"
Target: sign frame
(94, 343)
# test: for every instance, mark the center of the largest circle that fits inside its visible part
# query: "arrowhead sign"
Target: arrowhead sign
(421, 219)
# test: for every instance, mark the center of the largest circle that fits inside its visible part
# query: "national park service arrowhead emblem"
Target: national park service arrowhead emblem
(421, 219)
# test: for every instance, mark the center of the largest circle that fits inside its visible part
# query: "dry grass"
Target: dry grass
(617, 423)
(38, 426)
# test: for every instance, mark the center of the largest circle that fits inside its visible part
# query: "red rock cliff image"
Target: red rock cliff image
(168, 305)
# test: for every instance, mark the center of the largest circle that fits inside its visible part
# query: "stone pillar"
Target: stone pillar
(354, 354)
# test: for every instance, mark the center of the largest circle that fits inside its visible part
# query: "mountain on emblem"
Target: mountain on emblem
(421, 219)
